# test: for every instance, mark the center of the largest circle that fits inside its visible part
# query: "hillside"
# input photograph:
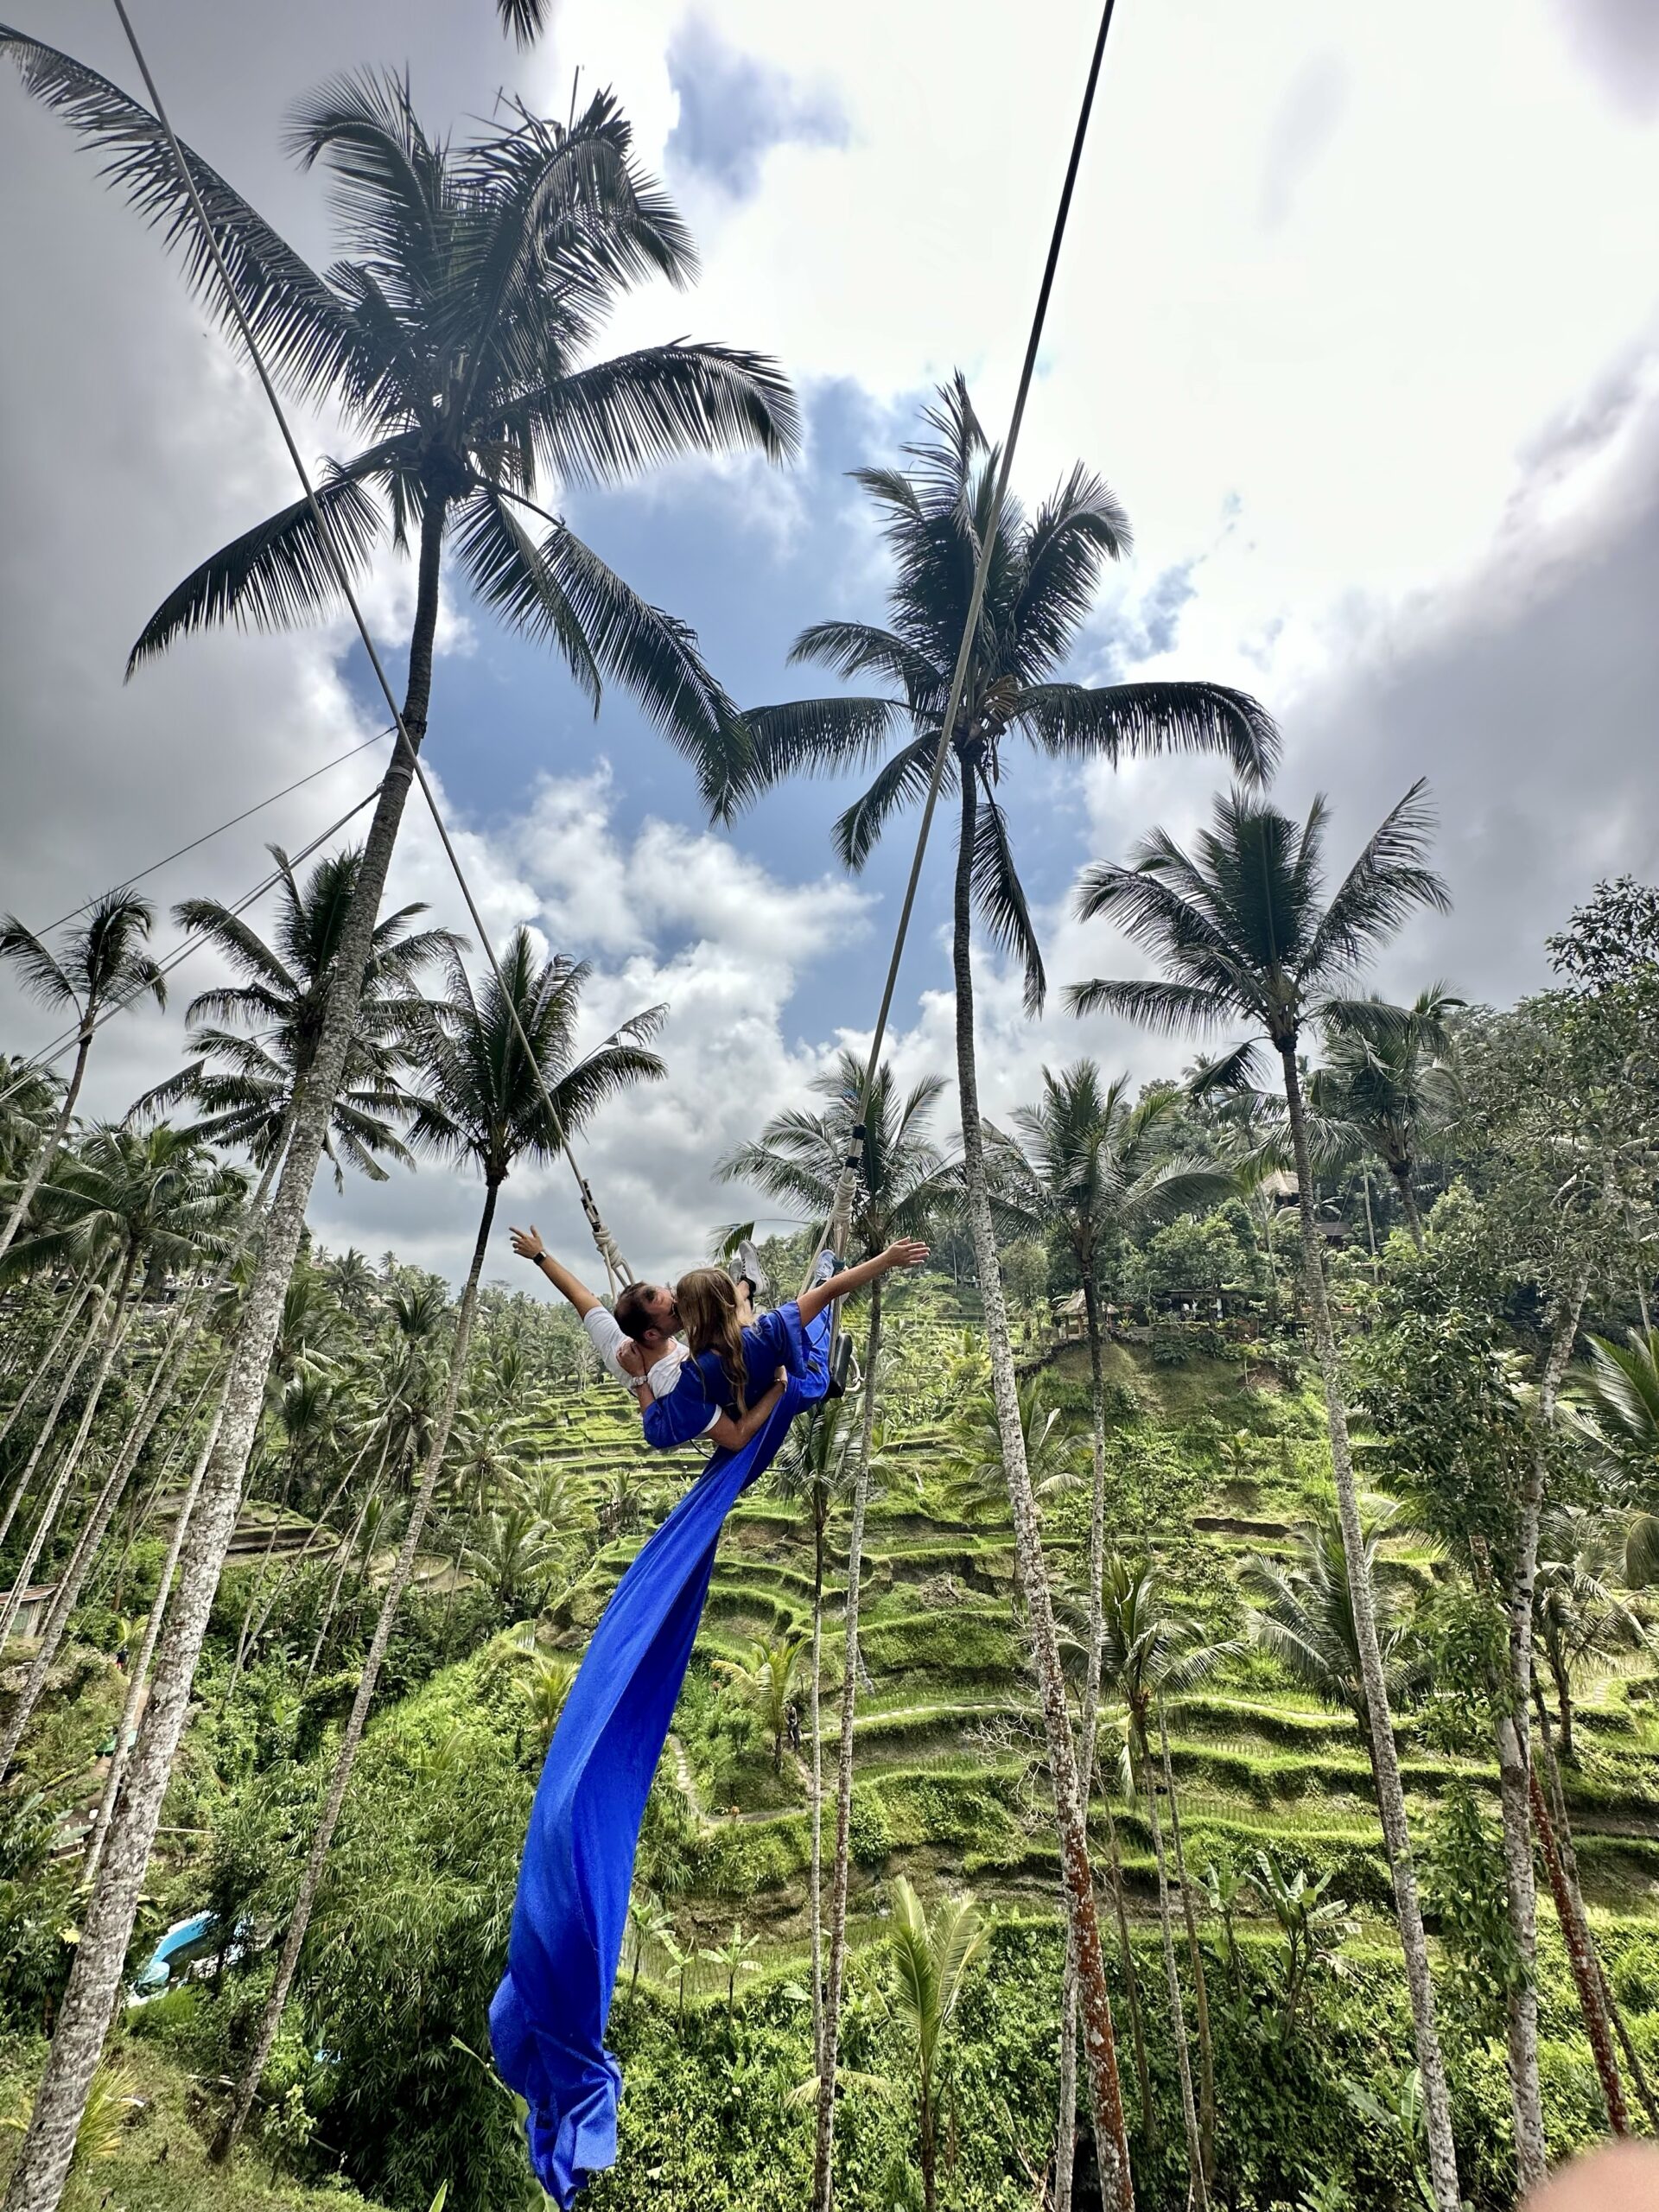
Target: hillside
(1213, 1463)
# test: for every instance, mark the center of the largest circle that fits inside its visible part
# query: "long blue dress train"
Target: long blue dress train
(548, 2019)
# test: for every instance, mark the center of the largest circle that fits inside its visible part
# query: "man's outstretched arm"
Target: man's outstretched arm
(528, 1244)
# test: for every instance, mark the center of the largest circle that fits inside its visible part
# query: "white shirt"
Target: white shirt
(607, 1337)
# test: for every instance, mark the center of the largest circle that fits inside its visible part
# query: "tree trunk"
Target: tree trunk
(311, 1880)
(49, 1152)
(71, 1582)
(1065, 2133)
(37, 1374)
(1407, 1201)
(1099, 2043)
(930, 2155)
(314, 1536)
(815, 1716)
(42, 2166)
(1131, 1979)
(140, 1674)
(1196, 2192)
(1512, 1727)
(1200, 1985)
(1580, 1957)
(1564, 1711)
(345, 1560)
(823, 2145)
(1563, 1828)
(49, 1426)
(71, 1460)
(1391, 1803)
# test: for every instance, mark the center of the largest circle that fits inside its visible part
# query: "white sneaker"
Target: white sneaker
(827, 1265)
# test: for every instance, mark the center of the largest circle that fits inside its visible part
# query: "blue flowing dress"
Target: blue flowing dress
(548, 2019)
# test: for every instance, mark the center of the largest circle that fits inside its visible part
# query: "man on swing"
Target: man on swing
(701, 1388)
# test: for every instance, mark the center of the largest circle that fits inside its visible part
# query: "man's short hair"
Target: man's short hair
(634, 1315)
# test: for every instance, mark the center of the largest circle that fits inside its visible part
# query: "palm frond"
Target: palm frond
(1119, 721)
(304, 331)
(1389, 881)
(903, 778)
(1000, 899)
(637, 410)
(274, 575)
(1165, 1008)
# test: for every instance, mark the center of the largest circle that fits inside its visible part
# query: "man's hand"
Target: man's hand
(908, 1252)
(630, 1356)
(527, 1243)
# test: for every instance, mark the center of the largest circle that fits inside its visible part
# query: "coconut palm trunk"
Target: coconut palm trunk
(138, 1681)
(49, 1424)
(347, 1551)
(1099, 2043)
(1391, 1803)
(1511, 1720)
(1131, 1979)
(78, 1564)
(43, 2165)
(823, 2144)
(311, 1880)
(814, 1719)
(1401, 1174)
(48, 1518)
(38, 1168)
(39, 1369)
(1608, 2004)
(1066, 2132)
(1581, 1959)
(1195, 1955)
(1197, 2192)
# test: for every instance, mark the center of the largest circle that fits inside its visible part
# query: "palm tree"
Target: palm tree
(733, 1958)
(902, 1182)
(161, 1201)
(459, 341)
(767, 1677)
(485, 1102)
(1382, 1085)
(819, 1465)
(1580, 1616)
(102, 966)
(1146, 1655)
(1088, 1167)
(975, 1481)
(516, 1552)
(931, 1959)
(1616, 1403)
(1304, 1618)
(1242, 933)
(248, 1098)
(1041, 580)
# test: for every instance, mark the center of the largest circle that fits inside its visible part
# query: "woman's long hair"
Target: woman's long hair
(707, 1301)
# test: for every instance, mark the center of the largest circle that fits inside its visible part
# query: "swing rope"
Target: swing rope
(841, 1207)
(838, 1225)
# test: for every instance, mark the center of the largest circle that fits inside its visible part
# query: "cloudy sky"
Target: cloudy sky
(1357, 316)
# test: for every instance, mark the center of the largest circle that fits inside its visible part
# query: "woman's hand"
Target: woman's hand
(527, 1243)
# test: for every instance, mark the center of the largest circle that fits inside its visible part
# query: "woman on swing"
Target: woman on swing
(730, 1366)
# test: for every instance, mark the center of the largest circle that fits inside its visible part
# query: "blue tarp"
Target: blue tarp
(547, 2023)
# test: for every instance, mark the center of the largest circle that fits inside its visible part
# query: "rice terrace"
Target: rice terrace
(829, 1115)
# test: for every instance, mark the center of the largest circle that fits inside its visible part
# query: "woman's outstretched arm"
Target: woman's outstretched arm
(907, 1253)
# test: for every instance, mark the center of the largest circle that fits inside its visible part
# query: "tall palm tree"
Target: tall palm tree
(1148, 1654)
(819, 1466)
(1304, 1618)
(245, 1086)
(160, 1201)
(1090, 1168)
(1243, 933)
(459, 341)
(1041, 581)
(1581, 1616)
(1382, 1083)
(1615, 1404)
(901, 1183)
(975, 1482)
(766, 1677)
(103, 964)
(930, 1958)
(485, 1103)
